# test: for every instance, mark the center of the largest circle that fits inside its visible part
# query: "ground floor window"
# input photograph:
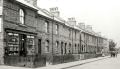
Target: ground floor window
(78, 48)
(69, 48)
(65, 48)
(46, 46)
(75, 48)
(61, 47)
(19, 44)
(30, 44)
(13, 44)
(57, 46)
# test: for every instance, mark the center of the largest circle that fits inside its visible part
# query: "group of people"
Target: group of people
(113, 53)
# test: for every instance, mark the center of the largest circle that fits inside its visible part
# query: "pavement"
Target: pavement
(59, 66)
(110, 63)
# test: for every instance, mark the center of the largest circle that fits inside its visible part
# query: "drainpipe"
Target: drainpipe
(80, 42)
(52, 34)
(72, 43)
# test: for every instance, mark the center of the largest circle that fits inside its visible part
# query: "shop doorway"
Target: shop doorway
(23, 50)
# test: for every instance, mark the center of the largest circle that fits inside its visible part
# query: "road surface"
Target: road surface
(109, 63)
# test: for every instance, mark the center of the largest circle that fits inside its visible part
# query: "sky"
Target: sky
(103, 15)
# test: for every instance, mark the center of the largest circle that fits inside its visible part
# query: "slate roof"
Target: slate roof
(47, 14)
(27, 4)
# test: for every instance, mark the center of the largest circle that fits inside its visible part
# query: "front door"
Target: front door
(39, 46)
(23, 50)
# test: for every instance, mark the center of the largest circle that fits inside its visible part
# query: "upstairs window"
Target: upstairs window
(21, 16)
(75, 35)
(70, 33)
(56, 28)
(46, 27)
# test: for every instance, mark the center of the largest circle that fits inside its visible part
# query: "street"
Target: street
(94, 63)
(109, 63)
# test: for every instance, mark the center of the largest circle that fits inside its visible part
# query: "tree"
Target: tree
(112, 45)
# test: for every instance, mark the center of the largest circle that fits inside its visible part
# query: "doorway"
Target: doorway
(23, 50)
(39, 46)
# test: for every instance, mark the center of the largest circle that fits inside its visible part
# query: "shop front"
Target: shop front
(20, 48)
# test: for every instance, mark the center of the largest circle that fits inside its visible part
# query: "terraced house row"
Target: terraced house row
(34, 37)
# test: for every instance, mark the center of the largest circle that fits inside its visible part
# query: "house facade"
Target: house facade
(32, 37)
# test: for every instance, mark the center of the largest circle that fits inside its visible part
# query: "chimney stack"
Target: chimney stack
(81, 25)
(99, 33)
(72, 21)
(89, 27)
(55, 11)
(32, 2)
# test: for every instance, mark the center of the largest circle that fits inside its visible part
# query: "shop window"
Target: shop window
(21, 16)
(30, 40)
(30, 44)
(12, 44)
(47, 46)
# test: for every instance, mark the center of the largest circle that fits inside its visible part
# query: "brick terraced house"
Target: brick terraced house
(34, 37)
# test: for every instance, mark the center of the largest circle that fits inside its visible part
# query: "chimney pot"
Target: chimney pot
(55, 11)
(89, 27)
(81, 25)
(72, 21)
(33, 2)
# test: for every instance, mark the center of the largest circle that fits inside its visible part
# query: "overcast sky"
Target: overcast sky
(103, 15)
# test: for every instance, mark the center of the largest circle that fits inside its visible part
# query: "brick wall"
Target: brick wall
(1, 34)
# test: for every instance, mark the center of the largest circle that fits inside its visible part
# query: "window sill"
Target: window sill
(47, 52)
(47, 33)
(23, 25)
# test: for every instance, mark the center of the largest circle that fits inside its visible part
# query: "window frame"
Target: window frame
(46, 26)
(70, 47)
(12, 48)
(70, 32)
(57, 47)
(75, 35)
(47, 46)
(21, 16)
(56, 29)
